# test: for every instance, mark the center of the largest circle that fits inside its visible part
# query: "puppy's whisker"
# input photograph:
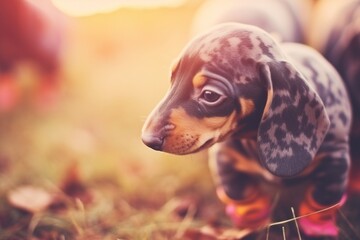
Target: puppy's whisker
(296, 223)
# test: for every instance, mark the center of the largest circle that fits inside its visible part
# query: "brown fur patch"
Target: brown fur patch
(199, 80)
(247, 106)
(191, 133)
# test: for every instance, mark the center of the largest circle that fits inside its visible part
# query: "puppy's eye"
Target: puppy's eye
(211, 97)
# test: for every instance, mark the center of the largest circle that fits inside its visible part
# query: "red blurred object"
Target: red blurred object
(31, 31)
(9, 93)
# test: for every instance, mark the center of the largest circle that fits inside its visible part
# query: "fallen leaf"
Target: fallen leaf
(30, 198)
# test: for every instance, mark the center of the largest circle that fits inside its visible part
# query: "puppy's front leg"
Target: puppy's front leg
(330, 181)
(246, 204)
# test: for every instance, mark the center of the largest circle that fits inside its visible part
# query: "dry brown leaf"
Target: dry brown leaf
(30, 198)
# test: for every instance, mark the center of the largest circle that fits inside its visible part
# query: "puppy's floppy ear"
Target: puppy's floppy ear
(294, 122)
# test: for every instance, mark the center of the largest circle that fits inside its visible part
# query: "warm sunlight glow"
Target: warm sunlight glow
(89, 7)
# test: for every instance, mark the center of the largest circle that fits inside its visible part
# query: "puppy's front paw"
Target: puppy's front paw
(250, 213)
(250, 216)
(321, 220)
(315, 228)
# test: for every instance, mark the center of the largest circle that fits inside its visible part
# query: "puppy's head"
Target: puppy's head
(205, 102)
(232, 80)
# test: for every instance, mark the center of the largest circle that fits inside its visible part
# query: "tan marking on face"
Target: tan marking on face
(199, 80)
(191, 133)
(247, 106)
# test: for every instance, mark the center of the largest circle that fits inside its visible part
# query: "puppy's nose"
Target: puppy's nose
(152, 141)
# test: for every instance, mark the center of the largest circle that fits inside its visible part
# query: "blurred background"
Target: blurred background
(77, 80)
(111, 69)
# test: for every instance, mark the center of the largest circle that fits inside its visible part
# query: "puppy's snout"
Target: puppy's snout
(155, 138)
(153, 141)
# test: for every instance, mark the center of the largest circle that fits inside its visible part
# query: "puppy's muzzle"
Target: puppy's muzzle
(155, 131)
(153, 141)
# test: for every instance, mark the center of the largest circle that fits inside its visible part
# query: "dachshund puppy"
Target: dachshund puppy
(285, 19)
(270, 112)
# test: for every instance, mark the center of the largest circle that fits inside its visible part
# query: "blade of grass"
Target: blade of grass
(296, 224)
(186, 222)
(283, 232)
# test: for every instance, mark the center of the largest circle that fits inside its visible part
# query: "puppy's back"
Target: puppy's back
(323, 77)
